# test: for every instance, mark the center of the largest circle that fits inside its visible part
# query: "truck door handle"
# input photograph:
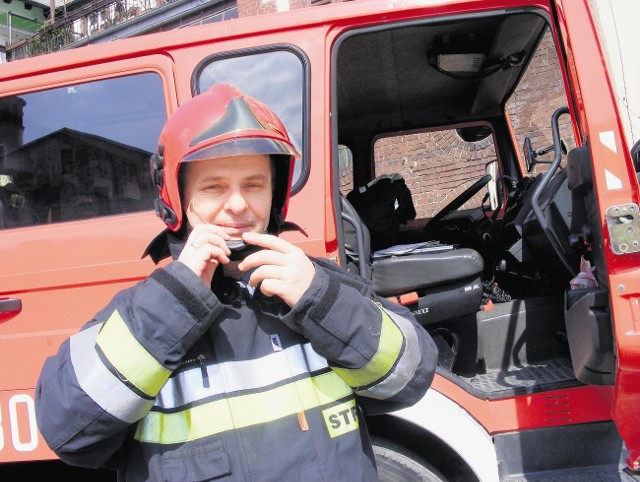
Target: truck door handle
(9, 307)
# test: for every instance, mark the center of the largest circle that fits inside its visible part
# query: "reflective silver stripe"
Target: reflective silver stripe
(100, 384)
(236, 376)
(406, 367)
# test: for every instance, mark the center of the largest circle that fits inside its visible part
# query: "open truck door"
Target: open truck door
(614, 181)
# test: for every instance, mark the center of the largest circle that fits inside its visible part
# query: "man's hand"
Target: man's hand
(205, 248)
(282, 268)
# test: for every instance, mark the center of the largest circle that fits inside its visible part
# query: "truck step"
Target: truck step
(523, 379)
(585, 475)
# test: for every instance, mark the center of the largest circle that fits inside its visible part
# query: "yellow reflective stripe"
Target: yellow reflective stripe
(389, 349)
(129, 357)
(242, 411)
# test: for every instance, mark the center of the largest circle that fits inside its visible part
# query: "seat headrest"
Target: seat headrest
(357, 241)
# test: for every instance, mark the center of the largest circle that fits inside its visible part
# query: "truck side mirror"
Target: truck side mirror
(531, 154)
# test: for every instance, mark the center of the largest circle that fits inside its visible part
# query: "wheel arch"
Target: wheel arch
(424, 444)
(444, 434)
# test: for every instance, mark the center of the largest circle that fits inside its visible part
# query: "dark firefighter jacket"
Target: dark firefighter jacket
(175, 381)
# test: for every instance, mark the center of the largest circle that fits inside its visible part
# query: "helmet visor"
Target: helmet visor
(242, 147)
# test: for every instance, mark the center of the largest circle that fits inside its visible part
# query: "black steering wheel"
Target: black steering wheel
(462, 198)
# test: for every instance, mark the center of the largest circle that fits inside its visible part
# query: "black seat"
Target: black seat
(436, 282)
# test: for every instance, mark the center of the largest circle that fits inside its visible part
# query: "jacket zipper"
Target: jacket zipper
(200, 359)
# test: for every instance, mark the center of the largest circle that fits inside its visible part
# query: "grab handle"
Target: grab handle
(9, 308)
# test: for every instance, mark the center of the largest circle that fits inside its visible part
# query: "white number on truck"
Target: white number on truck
(21, 415)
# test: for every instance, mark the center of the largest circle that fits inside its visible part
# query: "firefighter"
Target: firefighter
(254, 364)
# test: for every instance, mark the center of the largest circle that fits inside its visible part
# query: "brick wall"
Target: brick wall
(435, 165)
(247, 8)
(539, 94)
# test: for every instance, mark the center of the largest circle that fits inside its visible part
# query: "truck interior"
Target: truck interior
(503, 264)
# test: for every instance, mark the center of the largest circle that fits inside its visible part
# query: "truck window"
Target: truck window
(530, 108)
(345, 162)
(283, 90)
(436, 165)
(79, 151)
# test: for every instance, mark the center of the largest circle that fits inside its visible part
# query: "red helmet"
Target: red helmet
(221, 122)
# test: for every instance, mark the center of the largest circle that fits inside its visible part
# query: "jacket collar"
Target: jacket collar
(165, 244)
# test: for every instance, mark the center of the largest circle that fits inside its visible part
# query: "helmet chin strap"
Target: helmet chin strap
(276, 222)
(241, 253)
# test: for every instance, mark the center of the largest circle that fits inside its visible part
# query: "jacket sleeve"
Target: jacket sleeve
(376, 346)
(104, 378)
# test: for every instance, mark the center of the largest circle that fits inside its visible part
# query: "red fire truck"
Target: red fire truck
(512, 240)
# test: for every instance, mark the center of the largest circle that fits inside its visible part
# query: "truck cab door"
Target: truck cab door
(600, 127)
(75, 213)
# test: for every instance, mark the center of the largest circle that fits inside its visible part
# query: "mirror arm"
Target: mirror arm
(537, 191)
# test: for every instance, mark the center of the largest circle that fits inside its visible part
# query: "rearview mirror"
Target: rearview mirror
(474, 133)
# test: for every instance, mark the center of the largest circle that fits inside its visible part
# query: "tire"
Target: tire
(397, 464)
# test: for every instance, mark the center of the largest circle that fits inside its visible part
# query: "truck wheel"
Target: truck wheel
(397, 464)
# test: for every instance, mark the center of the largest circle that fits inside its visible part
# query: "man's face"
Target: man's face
(231, 192)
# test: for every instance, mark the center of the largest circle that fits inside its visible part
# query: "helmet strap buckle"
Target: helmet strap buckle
(157, 167)
(164, 212)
